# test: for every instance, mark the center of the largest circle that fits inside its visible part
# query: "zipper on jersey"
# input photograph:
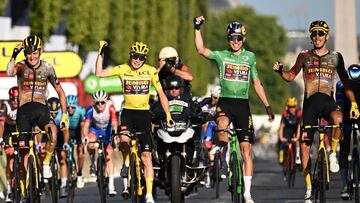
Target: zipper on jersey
(33, 87)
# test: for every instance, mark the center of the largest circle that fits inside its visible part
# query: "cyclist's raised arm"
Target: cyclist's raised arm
(292, 73)
(199, 42)
(99, 69)
(11, 70)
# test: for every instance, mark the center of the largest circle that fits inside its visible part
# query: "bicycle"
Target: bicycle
(100, 168)
(31, 189)
(353, 173)
(321, 179)
(235, 181)
(72, 171)
(289, 165)
(135, 176)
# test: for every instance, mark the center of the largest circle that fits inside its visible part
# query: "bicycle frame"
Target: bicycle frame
(321, 129)
(233, 149)
(31, 153)
(134, 150)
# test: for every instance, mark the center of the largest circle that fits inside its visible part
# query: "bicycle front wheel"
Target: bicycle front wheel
(32, 190)
(54, 180)
(72, 181)
(356, 176)
(16, 189)
(234, 169)
(133, 182)
(217, 174)
(323, 176)
(101, 178)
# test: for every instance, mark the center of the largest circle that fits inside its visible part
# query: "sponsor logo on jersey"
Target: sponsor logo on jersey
(136, 86)
(236, 72)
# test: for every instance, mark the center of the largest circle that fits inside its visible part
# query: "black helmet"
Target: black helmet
(354, 72)
(236, 27)
(319, 24)
(173, 81)
(53, 104)
(32, 43)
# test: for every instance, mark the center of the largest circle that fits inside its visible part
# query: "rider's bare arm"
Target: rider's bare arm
(260, 91)
(199, 42)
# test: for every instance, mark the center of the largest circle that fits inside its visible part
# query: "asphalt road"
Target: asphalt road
(268, 186)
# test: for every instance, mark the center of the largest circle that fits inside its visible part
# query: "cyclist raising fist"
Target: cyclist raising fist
(33, 75)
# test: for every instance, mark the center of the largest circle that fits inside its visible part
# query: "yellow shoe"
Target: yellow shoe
(281, 156)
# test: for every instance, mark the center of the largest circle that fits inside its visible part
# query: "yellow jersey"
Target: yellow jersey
(136, 84)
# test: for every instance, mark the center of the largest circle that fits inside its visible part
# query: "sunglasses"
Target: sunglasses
(102, 103)
(215, 97)
(141, 57)
(235, 37)
(319, 33)
(71, 107)
(291, 106)
(14, 99)
(174, 88)
(53, 114)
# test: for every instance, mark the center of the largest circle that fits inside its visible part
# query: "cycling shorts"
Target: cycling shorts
(138, 121)
(316, 104)
(32, 114)
(106, 134)
(238, 112)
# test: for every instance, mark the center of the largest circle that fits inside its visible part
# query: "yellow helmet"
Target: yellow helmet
(139, 48)
(319, 24)
(292, 101)
(32, 43)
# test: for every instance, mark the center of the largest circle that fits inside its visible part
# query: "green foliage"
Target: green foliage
(77, 25)
(3, 5)
(44, 17)
(266, 39)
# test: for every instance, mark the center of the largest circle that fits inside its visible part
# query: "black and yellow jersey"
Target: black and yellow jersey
(136, 84)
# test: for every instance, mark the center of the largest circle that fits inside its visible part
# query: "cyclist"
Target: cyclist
(209, 105)
(319, 66)
(236, 66)
(101, 119)
(33, 76)
(7, 125)
(62, 142)
(136, 77)
(345, 104)
(289, 129)
(169, 64)
(76, 116)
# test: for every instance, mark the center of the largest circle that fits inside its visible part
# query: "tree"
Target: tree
(3, 5)
(265, 38)
(44, 17)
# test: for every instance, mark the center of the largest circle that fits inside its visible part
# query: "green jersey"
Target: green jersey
(235, 72)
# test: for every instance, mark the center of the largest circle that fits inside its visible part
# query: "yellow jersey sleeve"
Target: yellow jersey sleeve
(155, 81)
(116, 70)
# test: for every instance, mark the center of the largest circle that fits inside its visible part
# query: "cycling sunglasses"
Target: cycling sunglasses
(71, 107)
(102, 103)
(174, 88)
(141, 57)
(235, 37)
(291, 106)
(319, 33)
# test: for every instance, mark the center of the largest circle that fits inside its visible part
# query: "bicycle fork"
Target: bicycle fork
(322, 146)
(238, 172)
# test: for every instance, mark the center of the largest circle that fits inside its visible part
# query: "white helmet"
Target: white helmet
(100, 96)
(168, 52)
(215, 91)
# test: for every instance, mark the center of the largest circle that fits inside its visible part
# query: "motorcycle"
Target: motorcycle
(176, 158)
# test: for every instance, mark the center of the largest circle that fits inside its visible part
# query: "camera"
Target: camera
(169, 63)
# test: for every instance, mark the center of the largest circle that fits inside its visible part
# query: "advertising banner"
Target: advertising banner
(67, 64)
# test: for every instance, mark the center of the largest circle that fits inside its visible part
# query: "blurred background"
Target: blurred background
(277, 30)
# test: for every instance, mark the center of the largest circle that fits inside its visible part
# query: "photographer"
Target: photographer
(170, 64)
